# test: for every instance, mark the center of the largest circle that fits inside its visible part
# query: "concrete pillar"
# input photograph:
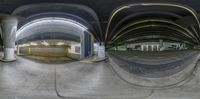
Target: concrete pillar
(162, 45)
(29, 51)
(18, 53)
(101, 51)
(82, 45)
(92, 45)
(87, 42)
(9, 27)
(142, 47)
(157, 47)
(147, 46)
(152, 48)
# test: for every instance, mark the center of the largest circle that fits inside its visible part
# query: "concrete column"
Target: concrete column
(86, 45)
(101, 51)
(18, 53)
(9, 27)
(162, 45)
(152, 46)
(147, 46)
(92, 45)
(142, 47)
(82, 52)
(157, 47)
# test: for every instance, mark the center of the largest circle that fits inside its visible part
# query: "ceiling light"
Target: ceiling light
(45, 43)
(34, 44)
(60, 43)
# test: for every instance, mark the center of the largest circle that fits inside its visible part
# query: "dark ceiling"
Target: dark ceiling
(104, 9)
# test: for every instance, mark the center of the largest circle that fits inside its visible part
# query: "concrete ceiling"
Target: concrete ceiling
(104, 9)
(50, 36)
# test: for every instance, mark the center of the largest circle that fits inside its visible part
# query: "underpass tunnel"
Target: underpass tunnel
(71, 22)
(50, 48)
(153, 19)
(142, 38)
(57, 28)
(54, 25)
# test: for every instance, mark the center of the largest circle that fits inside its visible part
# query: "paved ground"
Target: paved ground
(153, 65)
(50, 60)
(154, 71)
(26, 79)
(153, 57)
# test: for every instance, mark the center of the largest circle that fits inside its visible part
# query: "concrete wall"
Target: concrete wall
(151, 46)
(57, 52)
(73, 48)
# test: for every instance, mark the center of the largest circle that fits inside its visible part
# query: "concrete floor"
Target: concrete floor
(26, 79)
(153, 65)
(50, 60)
(172, 69)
